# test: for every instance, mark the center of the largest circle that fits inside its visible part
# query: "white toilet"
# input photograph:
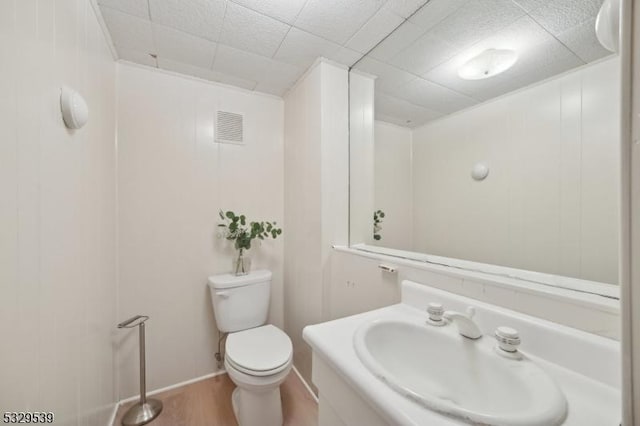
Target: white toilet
(258, 357)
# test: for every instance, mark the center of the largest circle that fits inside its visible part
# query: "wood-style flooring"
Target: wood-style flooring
(208, 403)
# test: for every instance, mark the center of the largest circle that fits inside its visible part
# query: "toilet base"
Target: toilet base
(257, 408)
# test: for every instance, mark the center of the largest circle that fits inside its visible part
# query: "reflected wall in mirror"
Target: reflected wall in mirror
(523, 87)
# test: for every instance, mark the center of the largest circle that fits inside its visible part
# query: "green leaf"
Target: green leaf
(242, 234)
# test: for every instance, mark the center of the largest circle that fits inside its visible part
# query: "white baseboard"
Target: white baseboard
(306, 385)
(177, 385)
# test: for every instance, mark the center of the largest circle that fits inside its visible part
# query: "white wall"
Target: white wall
(393, 184)
(550, 202)
(316, 196)
(57, 214)
(173, 179)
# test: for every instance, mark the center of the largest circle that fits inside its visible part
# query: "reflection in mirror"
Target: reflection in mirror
(494, 138)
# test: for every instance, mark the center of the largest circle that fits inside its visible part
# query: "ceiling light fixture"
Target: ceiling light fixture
(487, 64)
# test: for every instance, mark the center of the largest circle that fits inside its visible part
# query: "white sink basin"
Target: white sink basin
(445, 372)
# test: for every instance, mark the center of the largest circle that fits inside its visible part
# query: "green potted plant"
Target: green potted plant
(242, 234)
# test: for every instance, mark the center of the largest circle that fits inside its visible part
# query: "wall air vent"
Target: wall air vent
(229, 127)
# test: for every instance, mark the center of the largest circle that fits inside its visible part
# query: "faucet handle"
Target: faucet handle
(508, 339)
(436, 313)
(471, 311)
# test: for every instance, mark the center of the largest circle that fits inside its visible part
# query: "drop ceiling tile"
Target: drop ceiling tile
(252, 31)
(139, 8)
(529, 5)
(391, 106)
(544, 61)
(404, 8)
(279, 78)
(182, 47)
(519, 36)
(397, 41)
(270, 89)
(202, 18)
(583, 42)
(239, 63)
(182, 68)
(435, 11)
(232, 80)
(388, 78)
(336, 20)
(285, 11)
(393, 119)
(560, 15)
(128, 31)
(475, 21)
(301, 48)
(434, 97)
(424, 54)
(345, 56)
(421, 118)
(135, 56)
(204, 73)
(376, 29)
(273, 88)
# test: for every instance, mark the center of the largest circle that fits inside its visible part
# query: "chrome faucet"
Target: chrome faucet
(465, 323)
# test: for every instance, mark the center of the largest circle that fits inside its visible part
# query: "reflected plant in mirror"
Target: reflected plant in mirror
(242, 233)
(378, 215)
(524, 86)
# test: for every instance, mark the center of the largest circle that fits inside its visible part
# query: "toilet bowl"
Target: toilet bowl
(258, 360)
(258, 357)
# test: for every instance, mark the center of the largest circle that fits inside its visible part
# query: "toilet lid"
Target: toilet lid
(259, 349)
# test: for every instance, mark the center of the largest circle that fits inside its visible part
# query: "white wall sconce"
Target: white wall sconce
(75, 111)
(608, 25)
(479, 171)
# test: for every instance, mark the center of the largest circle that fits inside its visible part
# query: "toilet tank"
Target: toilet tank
(240, 302)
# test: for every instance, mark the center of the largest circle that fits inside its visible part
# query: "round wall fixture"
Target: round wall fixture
(75, 112)
(608, 25)
(480, 171)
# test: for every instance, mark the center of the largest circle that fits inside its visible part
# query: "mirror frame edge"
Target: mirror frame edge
(630, 202)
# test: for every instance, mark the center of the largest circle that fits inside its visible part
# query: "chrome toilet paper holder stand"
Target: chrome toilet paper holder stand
(145, 410)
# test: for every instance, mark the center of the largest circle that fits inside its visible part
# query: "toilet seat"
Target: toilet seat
(260, 351)
(258, 373)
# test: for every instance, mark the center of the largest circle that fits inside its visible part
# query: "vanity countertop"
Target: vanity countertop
(590, 401)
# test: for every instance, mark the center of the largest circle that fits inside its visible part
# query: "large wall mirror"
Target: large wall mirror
(487, 132)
